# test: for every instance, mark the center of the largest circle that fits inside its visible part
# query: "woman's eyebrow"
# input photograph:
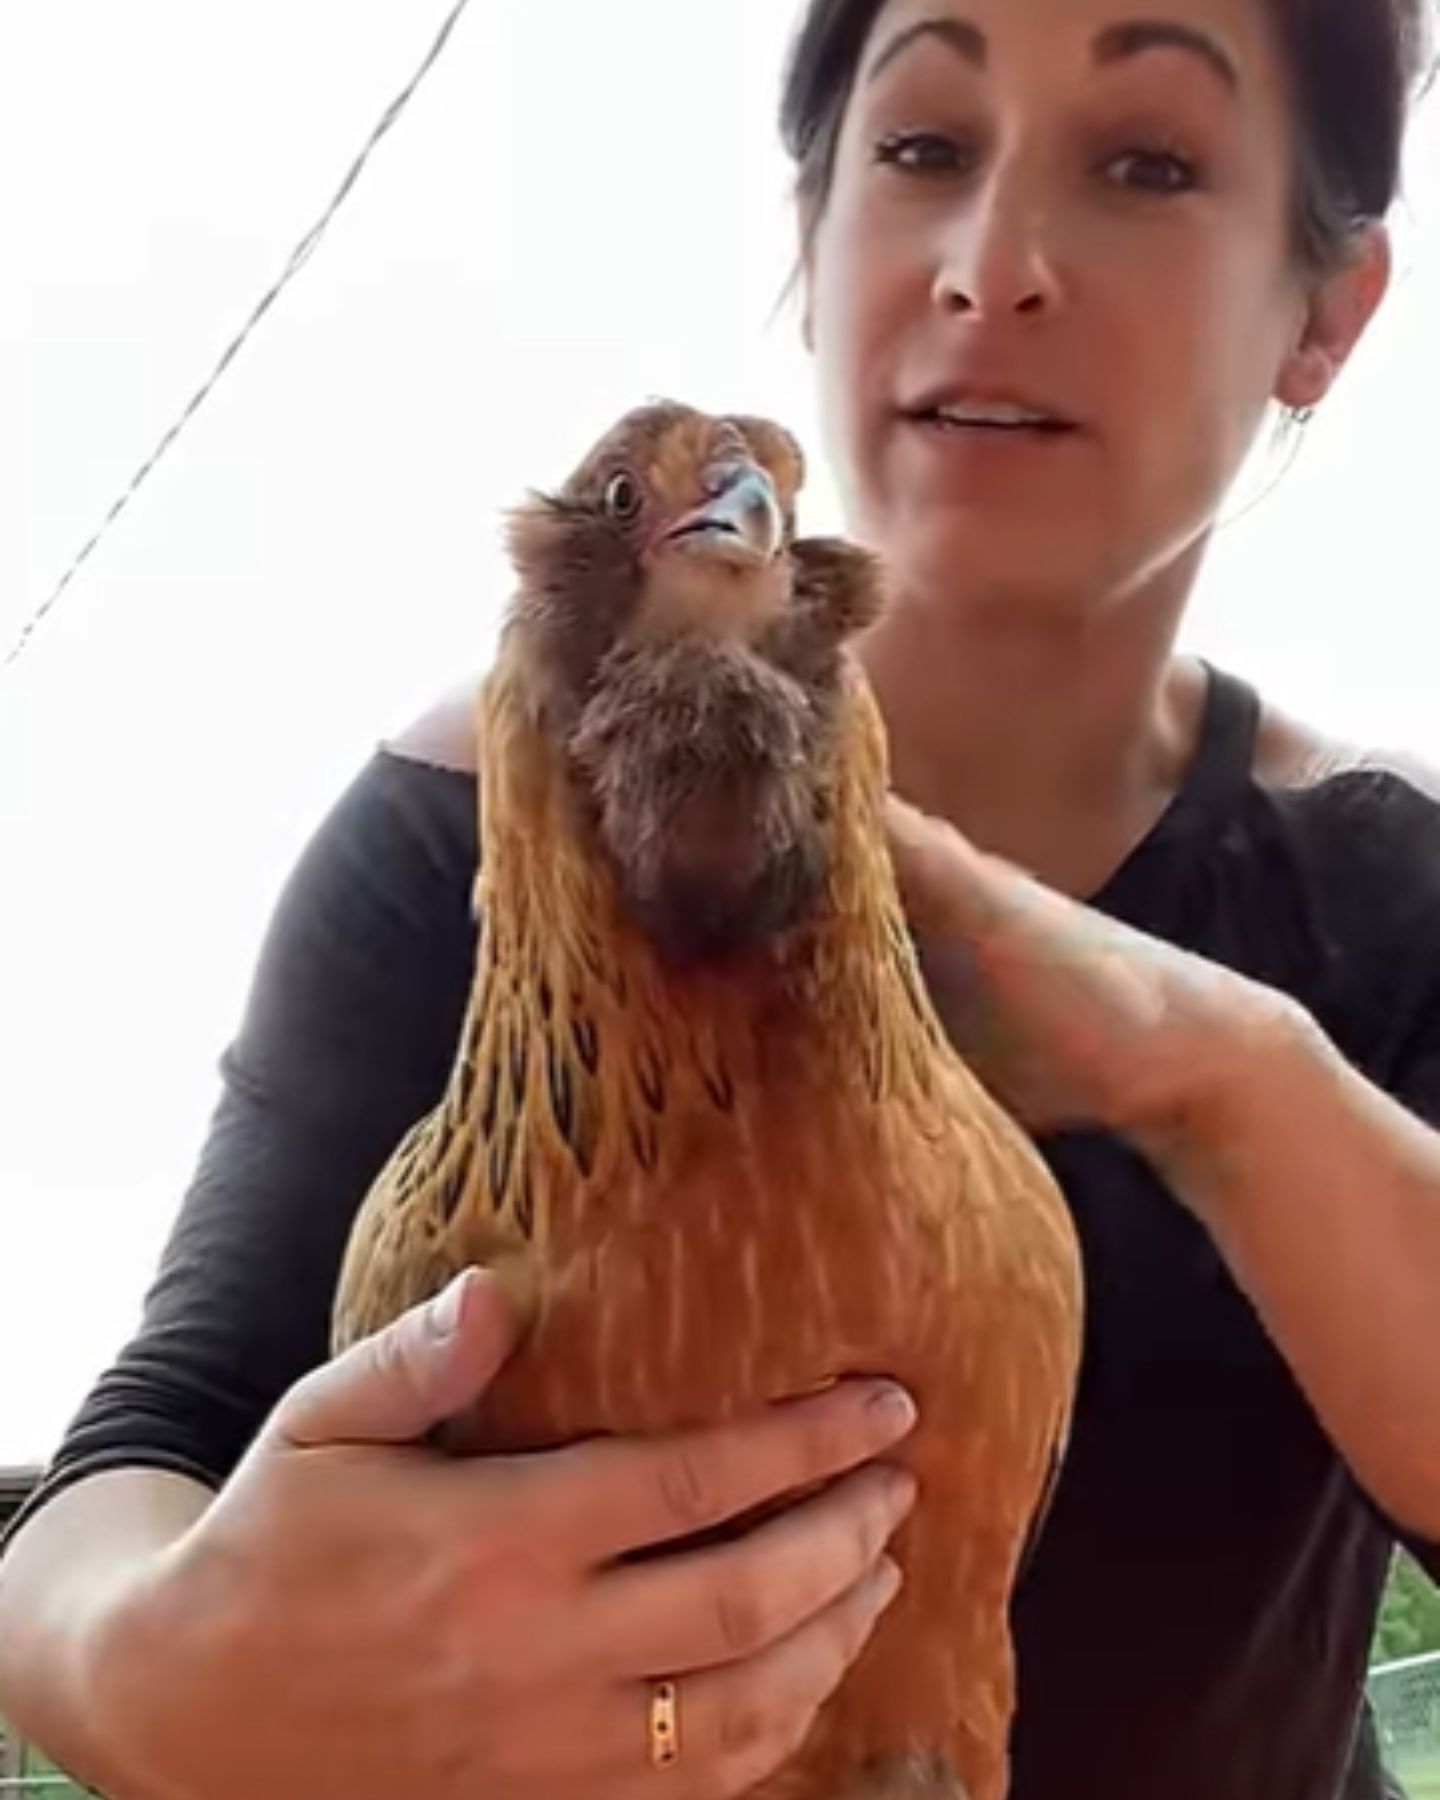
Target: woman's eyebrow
(966, 40)
(1117, 43)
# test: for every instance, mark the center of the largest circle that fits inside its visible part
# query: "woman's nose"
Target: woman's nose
(997, 257)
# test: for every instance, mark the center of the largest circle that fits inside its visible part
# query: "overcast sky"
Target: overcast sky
(585, 205)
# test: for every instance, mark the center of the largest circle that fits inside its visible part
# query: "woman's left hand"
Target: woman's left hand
(1070, 1018)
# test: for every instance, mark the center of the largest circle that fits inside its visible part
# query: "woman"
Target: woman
(1058, 264)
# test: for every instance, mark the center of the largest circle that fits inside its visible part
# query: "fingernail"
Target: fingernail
(444, 1312)
(892, 1408)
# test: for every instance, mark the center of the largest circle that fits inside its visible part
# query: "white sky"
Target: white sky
(585, 205)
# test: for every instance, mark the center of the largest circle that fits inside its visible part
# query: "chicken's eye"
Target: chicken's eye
(622, 497)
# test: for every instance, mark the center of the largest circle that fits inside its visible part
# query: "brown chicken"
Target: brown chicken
(702, 1114)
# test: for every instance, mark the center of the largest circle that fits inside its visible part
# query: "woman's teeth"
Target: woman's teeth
(994, 418)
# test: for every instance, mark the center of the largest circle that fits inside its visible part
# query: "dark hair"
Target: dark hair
(1355, 64)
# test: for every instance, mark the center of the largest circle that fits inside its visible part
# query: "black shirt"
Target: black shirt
(1197, 1621)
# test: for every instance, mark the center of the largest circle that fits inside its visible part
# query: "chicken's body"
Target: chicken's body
(723, 1180)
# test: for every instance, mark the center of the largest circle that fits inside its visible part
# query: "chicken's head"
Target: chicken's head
(685, 652)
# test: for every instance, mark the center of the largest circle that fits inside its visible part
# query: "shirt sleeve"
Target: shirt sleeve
(347, 1038)
(1374, 881)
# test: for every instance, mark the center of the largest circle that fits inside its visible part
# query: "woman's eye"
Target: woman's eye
(1154, 172)
(622, 497)
(924, 153)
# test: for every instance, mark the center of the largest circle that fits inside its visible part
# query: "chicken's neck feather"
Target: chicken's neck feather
(580, 1038)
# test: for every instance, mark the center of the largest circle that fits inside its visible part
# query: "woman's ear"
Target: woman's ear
(1340, 307)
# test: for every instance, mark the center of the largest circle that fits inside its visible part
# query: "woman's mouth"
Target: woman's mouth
(991, 419)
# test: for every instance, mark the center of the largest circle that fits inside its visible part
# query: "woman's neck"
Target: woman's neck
(1053, 739)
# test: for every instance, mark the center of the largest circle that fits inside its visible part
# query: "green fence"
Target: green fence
(1406, 1699)
(37, 1785)
(25, 1774)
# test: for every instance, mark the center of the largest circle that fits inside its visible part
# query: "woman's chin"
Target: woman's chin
(991, 562)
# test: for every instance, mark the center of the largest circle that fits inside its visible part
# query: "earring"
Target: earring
(1300, 416)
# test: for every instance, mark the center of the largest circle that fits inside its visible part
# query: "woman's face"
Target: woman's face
(1053, 287)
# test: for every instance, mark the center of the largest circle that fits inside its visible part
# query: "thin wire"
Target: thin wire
(298, 258)
(1292, 436)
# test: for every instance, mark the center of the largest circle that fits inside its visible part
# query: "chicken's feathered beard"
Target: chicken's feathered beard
(703, 1117)
(699, 762)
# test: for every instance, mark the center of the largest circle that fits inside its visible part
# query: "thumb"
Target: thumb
(394, 1387)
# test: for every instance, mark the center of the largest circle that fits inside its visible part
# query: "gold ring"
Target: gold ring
(664, 1724)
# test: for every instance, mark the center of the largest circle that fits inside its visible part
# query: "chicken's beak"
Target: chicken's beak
(743, 515)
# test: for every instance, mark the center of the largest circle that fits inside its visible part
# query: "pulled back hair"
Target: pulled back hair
(1355, 67)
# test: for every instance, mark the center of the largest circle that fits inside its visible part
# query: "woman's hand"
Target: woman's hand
(1069, 1017)
(357, 1617)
